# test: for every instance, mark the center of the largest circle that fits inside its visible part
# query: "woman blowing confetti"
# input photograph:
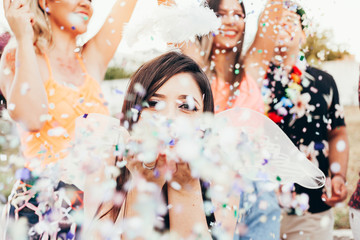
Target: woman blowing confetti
(172, 155)
(172, 86)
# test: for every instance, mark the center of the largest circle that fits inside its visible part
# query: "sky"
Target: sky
(340, 16)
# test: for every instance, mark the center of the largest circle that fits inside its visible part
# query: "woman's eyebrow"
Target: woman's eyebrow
(185, 96)
(158, 95)
(239, 11)
(225, 9)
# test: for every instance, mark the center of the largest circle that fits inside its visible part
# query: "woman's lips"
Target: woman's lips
(83, 15)
(229, 33)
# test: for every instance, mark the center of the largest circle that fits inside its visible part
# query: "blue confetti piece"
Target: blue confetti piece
(138, 107)
(265, 162)
(117, 91)
(23, 174)
(69, 235)
(319, 146)
(172, 142)
(85, 115)
(156, 173)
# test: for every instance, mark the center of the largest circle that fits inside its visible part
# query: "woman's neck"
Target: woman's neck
(64, 42)
(224, 64)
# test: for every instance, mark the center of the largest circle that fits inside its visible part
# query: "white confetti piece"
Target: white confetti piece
(7, 71)
(11, 106)
(335, 167)
(45, 117)
(56, 132)
(340, 146)
(24, 88)
(175, 185)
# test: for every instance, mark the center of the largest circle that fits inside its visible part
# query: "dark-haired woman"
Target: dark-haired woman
(235, 81)
(171, 80)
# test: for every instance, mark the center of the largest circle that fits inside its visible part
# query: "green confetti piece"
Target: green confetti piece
(224, 205)
(116, 147)
(259, 51)
(278, 178)
(302, 58)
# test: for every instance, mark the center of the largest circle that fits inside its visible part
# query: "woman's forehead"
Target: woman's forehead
(230, 5)
(180, 84)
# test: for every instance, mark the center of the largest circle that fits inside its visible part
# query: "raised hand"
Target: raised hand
(152, 172)
(338, 191)
(181, 177)
(20, 18)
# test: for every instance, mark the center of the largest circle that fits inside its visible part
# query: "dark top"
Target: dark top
(305, 105)
(355, 198)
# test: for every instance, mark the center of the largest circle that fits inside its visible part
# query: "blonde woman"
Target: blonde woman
(48, 80)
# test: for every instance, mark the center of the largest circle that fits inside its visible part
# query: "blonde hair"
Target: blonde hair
(42, 29)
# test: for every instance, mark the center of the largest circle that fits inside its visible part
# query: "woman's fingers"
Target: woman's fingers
(161, 160)
(183, 166)
(6, 4)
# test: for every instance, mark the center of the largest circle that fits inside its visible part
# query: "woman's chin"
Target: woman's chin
(226, 45)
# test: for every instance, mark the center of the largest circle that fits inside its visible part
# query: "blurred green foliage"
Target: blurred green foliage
(317, 48)
(9, 148)
(341, 215)
(116, 73)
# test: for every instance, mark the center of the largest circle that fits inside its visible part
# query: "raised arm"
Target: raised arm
(261, 51)
(103, 45)
(20, 78)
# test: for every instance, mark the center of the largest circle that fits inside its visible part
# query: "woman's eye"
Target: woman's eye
(187, 107)
(219, 15)
(152, 103)
(240, 15)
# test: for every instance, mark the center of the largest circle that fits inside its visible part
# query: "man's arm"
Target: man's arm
(338, 154)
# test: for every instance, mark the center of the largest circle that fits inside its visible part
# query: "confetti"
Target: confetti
(340, 146)
(11, 106)
(24, 88)
(335, 167)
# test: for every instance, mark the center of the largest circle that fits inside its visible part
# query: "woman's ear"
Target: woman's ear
(303, 37)
(43, 6)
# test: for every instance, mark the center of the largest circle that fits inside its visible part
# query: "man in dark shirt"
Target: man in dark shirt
(304, 102)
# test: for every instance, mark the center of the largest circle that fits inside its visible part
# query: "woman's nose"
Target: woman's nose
(228, 19)
(169, 111)
(85, 3)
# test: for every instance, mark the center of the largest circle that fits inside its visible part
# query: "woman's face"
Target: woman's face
(70, 15)
(179, 96)
(232, 24)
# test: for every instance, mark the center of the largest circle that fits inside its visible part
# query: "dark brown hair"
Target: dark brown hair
(151, 76)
